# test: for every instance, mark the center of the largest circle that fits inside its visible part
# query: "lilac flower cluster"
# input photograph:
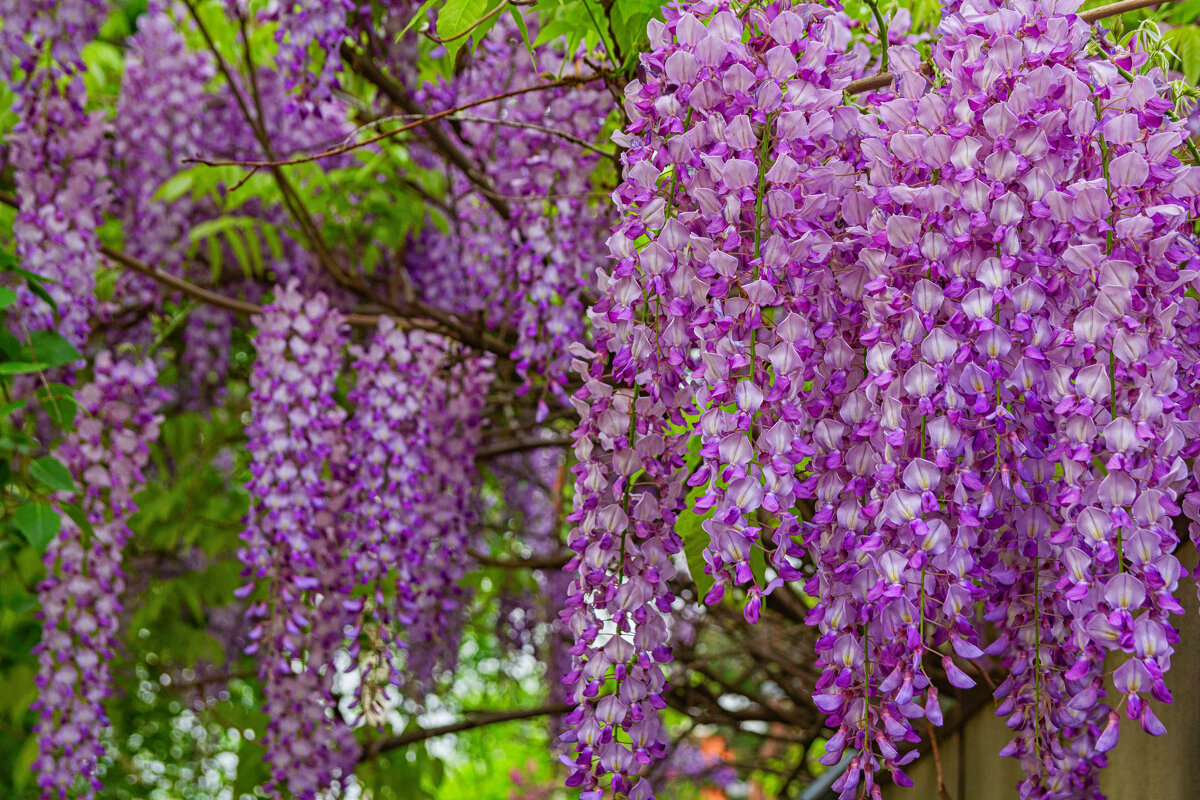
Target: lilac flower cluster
(411, 447)
(527, 272)
(58, 153)
(294, 541)
(155, 128)
(303, 24)
(80, 597)
(951, 321)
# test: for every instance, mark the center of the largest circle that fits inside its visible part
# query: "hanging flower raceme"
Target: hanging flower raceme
(155, 128)
(80, 597)
(59, 158)
(528, 271)
(296, 540)
(58, 152)
(1016, 290)
(445, 517)
(411, 444)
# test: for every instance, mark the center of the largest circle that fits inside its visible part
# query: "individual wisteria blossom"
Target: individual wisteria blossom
(81, 594)
(295, 541)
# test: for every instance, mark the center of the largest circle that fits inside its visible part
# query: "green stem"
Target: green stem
(760, 193)
(883, 34)
(172, 326)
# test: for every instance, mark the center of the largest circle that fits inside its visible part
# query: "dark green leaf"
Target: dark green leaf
(695, 539)
(52, 349)
(11, 406)
(77, 516)
(21, 367)
(50, 471)
(34, 282)
(60, 406)
(38, 523)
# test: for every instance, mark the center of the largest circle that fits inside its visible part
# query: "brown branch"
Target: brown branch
(478, 721)
(166, 279)
(545, 562)
(435, 321)
(937, 762)
(505, 448)
(529, 126)
(437, 136)
(1092, 15)
(336, 151)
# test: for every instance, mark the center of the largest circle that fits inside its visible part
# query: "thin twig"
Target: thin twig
(937, 762)
(570, 137)
(545, 562)
(505, 448)
(336, 151)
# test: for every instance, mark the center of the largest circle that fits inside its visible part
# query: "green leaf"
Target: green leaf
(695, 539)
(175, 187)
(50, 471)
(35, 285)
(77, 516)
(630, 18)
(59, 404)
(417, 16)
(458, 16)
(524, 29)
(23, 764)
(13, 405)
(21, 367)
(52, 349)
(38, 523)
(7, 297)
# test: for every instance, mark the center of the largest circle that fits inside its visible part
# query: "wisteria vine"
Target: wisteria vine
(922, 354)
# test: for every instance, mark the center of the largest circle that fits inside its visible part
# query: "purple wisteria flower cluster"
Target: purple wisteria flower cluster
(411, 474)
(80, 596)
(360, 524)
(529, 271)
(937, 346)
(59, 157)
(156, 127)
(294, 542)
